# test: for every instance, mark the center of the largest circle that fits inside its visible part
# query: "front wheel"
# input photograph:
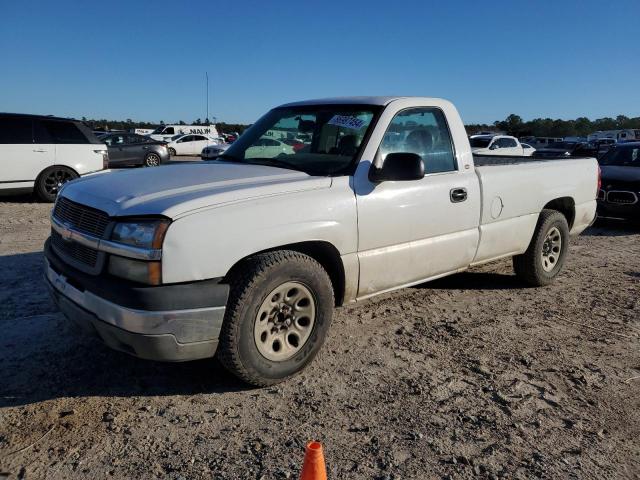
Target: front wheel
(51, 180)
(172, 152)
(544, 258)
(279, 311)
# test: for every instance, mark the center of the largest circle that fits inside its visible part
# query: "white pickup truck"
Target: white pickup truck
(499, 145)
(245, 257)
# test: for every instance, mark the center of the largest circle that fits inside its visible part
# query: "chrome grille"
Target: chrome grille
(79, 217)
(77, 252)
(622, 197)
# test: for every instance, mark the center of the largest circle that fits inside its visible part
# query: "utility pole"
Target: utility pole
(207, 77)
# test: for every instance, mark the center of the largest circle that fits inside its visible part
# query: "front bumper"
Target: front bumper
(168, 323)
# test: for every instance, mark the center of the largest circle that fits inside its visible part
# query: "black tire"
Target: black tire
(152, 160)
(250, 285)
(532, 267)
(172, 152)
(50, 181)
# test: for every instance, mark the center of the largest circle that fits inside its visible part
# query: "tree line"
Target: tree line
(512, 125)
(548, 127)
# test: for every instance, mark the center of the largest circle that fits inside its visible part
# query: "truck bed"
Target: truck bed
(492, 160)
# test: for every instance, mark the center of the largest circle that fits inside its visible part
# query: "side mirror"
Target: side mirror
(398, 167)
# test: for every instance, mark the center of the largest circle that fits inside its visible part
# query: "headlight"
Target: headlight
(143, 233)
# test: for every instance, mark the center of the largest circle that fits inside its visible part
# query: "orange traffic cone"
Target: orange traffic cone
(313, 467)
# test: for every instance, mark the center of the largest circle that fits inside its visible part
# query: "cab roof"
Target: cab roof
(381, 101)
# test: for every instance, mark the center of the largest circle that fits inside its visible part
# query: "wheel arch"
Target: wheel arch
(325, 253)
(564, 205)
(48, 167)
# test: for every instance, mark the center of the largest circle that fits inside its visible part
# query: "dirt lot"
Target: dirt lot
(467, 376)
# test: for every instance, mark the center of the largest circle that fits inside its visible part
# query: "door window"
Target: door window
(422, 131)
(16, 130)
(64, 132)
(168, 131)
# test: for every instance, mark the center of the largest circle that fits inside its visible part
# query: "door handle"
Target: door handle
(458, 195)
(40, 151)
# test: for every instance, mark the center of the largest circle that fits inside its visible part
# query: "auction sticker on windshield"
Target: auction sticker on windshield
(347, 122)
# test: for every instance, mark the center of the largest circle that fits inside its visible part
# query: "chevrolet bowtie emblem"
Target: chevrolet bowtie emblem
(66, 235)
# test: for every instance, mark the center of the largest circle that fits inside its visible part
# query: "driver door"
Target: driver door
(410, 231)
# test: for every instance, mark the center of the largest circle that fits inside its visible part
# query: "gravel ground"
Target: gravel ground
(472, 375)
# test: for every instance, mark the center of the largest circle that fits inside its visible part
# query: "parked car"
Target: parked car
(268, 147)
(166, 132)
(41, 153)
(295, 144)
(602, 145)
(246, 256)
(189, 144)
(498, 145)
(540, 142)
(213, 151)
(620, 193)
(567, 149)
(130, 149)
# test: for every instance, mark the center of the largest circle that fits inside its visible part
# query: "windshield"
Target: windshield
(480, 142)
(329, 138)
(627, 156)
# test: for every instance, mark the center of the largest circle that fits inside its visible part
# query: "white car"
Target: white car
(499, 145)
(40, 153)
(189, 144)
(246, 259)
(214, 151)
(268, 148)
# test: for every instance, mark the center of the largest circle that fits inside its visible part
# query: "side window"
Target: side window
(509, 142)
(64, 132)
(168, 131)
(16, 130)
(188, 138)
(199, 137)
(422, 131)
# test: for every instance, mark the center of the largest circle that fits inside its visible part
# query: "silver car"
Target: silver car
(213, 151)
(130, 149)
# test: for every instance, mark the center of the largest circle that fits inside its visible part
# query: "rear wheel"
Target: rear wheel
(51, 180)
(152, 160)
(278, 314)
(544, 258)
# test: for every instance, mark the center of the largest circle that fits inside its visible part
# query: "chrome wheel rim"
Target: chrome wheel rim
(284, 321)
(172, 152)
(55, 180)
(153, 160)
(551, 248)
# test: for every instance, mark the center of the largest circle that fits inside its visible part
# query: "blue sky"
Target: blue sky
(146, 60)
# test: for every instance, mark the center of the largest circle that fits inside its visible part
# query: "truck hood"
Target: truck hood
(175, 190)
